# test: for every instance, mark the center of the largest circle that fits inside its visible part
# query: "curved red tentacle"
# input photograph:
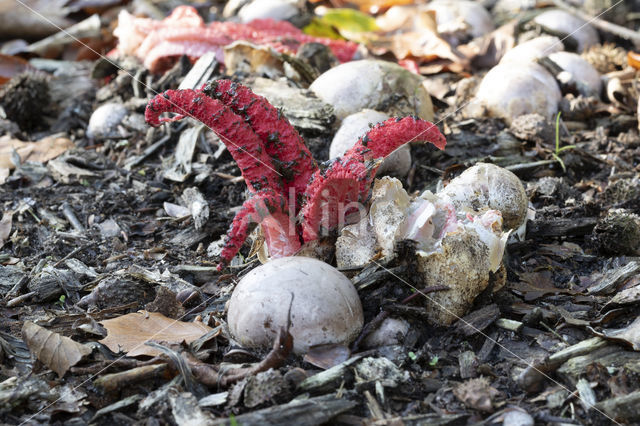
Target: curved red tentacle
(282, 141)
(333, 196)
(345, 185)
(269, 209)
(243, 143)
(387, 136)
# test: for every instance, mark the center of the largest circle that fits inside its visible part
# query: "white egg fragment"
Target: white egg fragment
(105, 120)
(512, 89)
(563, 22)
(356, 125)
(489, 187)
(459, 19)
(326, 308)
(374, 84)
(580, 69)
(533, 49)
(456, 250)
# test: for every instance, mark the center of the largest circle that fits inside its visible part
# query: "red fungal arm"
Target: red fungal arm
(245, 146)
(282, 141)
(331, 194)
(270, 209)
(386, 137)
(349, 179)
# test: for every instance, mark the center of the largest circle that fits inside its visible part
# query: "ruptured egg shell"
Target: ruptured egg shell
(559, 21)
(579, 68)
(326, 308)
(462, 264)
(513, 89)
(373, 84)
(455, 17)
(489, 187)
(356, 125)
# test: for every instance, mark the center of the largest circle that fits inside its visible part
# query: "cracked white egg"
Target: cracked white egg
(485, 187)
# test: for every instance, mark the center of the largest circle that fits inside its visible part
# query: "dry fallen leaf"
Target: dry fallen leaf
(411, 33)
(41, 151)
(129, 333)
(57, 352)
(533, 285)
(630, 334)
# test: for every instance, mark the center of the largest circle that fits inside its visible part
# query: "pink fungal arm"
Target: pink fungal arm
(270, 209)
(282, 141)
(241, 141)
(157, 43)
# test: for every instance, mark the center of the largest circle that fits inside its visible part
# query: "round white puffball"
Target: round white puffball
(326, 308)
(373, 84)
(512, 89)
(533, 49)
(564, 22)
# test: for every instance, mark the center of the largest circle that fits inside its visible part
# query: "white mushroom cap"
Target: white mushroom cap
(105, 120)
(326, 308)
(269, 9)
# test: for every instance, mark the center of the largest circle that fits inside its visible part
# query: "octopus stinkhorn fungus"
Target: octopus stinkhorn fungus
(292, 197)
(159, 43)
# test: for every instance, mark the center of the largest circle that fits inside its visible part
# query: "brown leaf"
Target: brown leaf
(411, 32)
(11, 66)
(486, 51)
(326, 356)
(534, 285)
(57, 352)
(630, 334)
(41, 151)
(128, 333)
